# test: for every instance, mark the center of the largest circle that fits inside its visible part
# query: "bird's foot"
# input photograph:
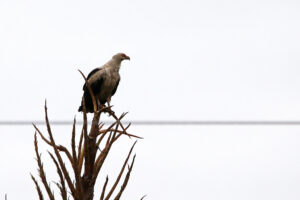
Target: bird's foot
(106, 109)
(109, 110)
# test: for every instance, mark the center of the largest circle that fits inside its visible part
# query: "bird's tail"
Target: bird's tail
(89, 108)
(88, 103)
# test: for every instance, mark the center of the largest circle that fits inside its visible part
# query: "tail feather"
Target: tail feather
(88, 103)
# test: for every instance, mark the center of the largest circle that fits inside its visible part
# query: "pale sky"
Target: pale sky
(190, 60)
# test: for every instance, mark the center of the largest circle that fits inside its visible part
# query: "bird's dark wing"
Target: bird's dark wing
(96, 85)
(93, 72)
(90, 74)
(115, 89)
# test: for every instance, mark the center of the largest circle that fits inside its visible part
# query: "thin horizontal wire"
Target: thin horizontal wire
(168, 123)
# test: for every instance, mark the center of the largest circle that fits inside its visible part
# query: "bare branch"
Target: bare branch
(80, 155)
(124, 133)
(125, 180)
(38, 189)
(41, 170)
(104, 133)
(73, 142)
(101, 158)
(80, 161)
(62, 187)
(120, 174)
(60, 161)
(116, 118)
(103, 189)
(84, 135)
(59, 147)
(75, 163)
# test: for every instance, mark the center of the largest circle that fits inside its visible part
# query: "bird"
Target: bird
(103, 81)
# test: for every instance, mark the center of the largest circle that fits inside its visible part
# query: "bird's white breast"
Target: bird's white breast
(110, 80)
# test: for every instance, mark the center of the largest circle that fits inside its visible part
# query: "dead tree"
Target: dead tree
(85, 158)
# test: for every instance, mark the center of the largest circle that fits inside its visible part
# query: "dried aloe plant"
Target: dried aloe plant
(86, 160)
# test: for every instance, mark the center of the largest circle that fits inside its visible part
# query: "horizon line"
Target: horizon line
(161, 122)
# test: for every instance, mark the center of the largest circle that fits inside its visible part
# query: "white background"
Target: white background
(190, 60)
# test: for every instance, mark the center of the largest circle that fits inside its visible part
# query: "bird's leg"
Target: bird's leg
(108, 104)
(108, 101)
(99, 106)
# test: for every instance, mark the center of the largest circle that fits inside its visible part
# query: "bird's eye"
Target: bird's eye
(123, 55)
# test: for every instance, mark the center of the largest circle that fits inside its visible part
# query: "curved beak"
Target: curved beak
(127, 58)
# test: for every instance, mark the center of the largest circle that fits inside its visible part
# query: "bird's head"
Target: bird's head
(121, 56)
